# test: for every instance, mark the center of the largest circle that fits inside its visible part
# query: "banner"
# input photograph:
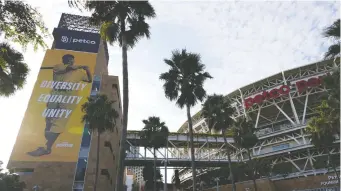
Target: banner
(76, 40)
(52, 129)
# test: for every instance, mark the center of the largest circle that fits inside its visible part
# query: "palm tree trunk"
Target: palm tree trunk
(154, 178)
(97, 160)
(332, 163)
(252, 170)
(125, 108)
(230, 163)
(190, 127)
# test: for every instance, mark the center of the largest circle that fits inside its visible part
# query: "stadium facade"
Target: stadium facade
(54, 150)
(280, 106)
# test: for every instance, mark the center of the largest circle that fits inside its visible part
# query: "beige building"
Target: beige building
(79, 175)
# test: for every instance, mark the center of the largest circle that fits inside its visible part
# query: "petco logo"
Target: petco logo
(65, 39)
(64, 144)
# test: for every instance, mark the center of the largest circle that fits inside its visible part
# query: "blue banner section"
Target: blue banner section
(76, 40)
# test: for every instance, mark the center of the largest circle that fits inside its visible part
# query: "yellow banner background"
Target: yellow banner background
(31, 134)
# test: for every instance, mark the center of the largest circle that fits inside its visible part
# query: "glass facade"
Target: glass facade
(78, 184)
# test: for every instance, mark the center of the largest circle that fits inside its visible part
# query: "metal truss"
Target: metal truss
(301, 160)
(283, 78)
(280, 125)
(77, 23)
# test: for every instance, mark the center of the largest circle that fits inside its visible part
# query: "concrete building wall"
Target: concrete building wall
(57, 176)
(109, 155)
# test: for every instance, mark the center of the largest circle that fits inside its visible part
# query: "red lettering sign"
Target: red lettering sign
(301, 86)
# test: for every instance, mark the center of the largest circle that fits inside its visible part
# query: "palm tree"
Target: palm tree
(244, 138)
(155, 133)
(217, 111)
(184, 83)
(322, 130)
(333, 32)
(149, 176)
(123, 22)
(10, 181)
(101, 116)
(13, 70)
(176, 179)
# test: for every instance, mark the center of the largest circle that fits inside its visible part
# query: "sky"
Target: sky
(240, 42)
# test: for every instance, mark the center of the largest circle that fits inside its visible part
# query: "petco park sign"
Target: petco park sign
(76, 40)
(299, 86)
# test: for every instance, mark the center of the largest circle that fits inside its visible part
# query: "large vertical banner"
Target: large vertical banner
(52, 129)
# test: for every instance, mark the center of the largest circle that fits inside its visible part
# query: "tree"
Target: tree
(123, 22)
(283, 169)
(101, 117)
(10, 181)
(332, 106)
(135, 186)
(155, 133)
(184, 83)
(333, 32)
(176, 179)
(323, 130)
(244, 138)
(217, 111)
(22, 24)
(149, 175)
(13, 70)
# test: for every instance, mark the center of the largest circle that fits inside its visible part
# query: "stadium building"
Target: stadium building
(280, 107)
(54, 150)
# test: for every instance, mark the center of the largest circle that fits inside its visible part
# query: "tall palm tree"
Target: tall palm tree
(13, 70)
(333, 32)
(101, 117)
(323, 130)
(123, 22)
(148, 176)
(176, 179)
(155, 133)
(217, 111)
(244, 138)
(184, 83)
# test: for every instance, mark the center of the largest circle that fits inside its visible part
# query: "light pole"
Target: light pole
(217, 180)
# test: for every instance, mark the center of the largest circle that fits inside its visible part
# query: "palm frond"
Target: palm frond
(142, 8)
(333, 31)
(154, 133)
(99, 113)
(184, 80)
(117, 13)
(13, 71)
(110, 32)
(333, 51)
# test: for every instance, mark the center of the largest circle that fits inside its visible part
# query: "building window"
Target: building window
(86, 137)
(81, 168)
(23, 171)
(105, 172)
(108, 144)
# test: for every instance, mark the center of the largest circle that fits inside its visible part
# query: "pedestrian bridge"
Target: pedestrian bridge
(180, 140)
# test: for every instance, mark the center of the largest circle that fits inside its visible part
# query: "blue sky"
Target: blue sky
(240, 42)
